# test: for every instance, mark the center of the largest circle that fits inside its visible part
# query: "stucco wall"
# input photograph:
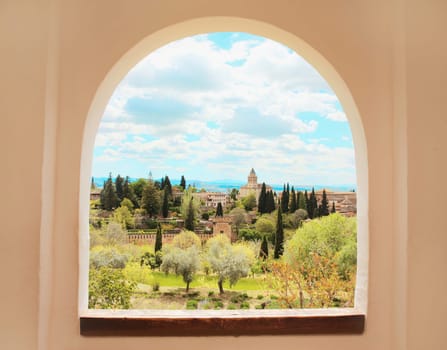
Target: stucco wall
(55, 54)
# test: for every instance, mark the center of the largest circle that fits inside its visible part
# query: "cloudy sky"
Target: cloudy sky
(212, 106)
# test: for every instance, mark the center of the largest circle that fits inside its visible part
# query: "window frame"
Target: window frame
(221, 323)
(224, 322)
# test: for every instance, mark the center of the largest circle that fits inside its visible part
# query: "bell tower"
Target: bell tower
(252, 179)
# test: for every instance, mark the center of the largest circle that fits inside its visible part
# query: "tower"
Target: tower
(252, 179)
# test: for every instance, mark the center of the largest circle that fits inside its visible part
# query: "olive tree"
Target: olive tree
(229, 262)
(183, 256)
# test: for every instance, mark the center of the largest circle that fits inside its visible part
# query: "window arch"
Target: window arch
(231, 325)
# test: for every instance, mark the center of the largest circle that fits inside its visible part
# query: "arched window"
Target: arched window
(343, 320)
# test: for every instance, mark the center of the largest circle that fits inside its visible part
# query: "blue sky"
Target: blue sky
(212, 106)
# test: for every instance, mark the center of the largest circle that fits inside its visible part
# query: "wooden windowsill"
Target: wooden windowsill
(221, 322)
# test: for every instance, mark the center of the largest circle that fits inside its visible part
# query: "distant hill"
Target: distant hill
(227, 185)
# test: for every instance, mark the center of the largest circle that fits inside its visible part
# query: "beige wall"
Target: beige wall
(55, 54)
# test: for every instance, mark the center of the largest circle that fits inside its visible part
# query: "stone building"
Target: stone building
(222, 225)
(252, 186)
(212, 199)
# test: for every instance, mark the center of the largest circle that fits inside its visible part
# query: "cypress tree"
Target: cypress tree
(128, 192)
(219, 210)
(301, 200)
(110, 199)
(101, 195)
(92, 185)
(165, 205)
(167, 185)
(270, 202)
(162, 184)
(262, 201)
(312, 206)
(324, 205)
(333, 208)
(264, 251)
(314, 201)
(158, 239)
(279, 236)
(119, 182)
(285, 200)
(183, 183)
(293, 203)
(189, 220)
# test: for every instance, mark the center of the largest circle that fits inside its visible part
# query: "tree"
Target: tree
(152, 260)
(183, 183)
(183, 262)
(219, 209)
(262, 201)
(248, 234)
(298, 217)
(109, 289)
(279, 236)
(165, 205)
(293, 203)
(107, 256)
(128, 192)
(158, 239)
(270, 202)
(229, 262)
(333, 208)
(126, 202)
(92, 184)
(187, 199)
(324, 211)
(114, 234)
(312, 206)
(168, 186)
(234, 193)
(301, 200)
(124, 217)
(186, 239)
(265, 225)
(285, 199)
(119, 182)
(190, 216)
(324, 251)
(150, 200)
(137, 188)
(109, 197)
(264, 251)
(240, 218)
(182, 257)
(249, 202)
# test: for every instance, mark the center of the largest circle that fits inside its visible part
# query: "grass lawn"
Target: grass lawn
(144, 275)
(248, 292)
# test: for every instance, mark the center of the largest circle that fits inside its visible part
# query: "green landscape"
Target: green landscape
(155, 245)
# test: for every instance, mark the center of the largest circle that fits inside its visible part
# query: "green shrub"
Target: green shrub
(108, 289)
(232, 306)
(245, 305)
(191, 304)
(101, 256)
(259, 297)
(155, 286)
(218, 304)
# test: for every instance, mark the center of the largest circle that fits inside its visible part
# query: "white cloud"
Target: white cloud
(269, 80)
(337, 116)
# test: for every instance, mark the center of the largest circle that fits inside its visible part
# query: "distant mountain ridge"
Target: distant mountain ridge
(227, 185)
